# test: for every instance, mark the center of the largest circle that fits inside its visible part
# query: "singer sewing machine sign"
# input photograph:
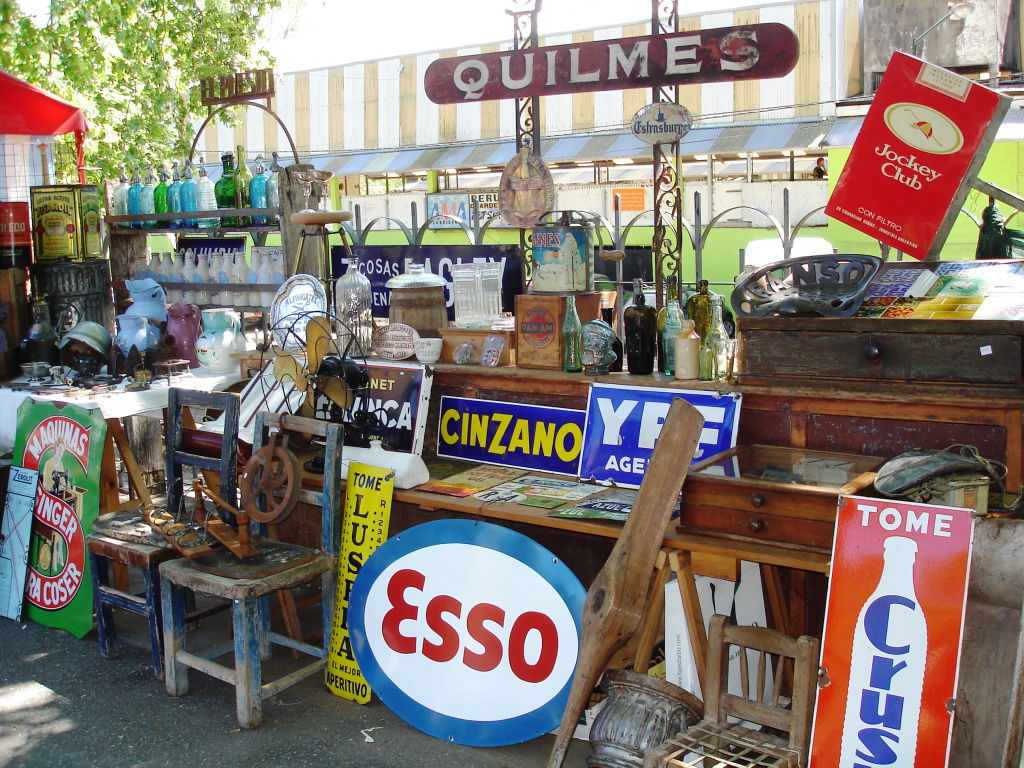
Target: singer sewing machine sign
(893, 627)
(65, 445)
(750, 52)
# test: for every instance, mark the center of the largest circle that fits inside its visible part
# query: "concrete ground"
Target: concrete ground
(62, 704)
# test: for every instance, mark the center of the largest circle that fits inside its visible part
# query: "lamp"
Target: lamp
(956, 12)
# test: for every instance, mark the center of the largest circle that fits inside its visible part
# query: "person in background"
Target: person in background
(819, 171)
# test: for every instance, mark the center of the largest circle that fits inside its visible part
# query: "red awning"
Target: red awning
(33, 111)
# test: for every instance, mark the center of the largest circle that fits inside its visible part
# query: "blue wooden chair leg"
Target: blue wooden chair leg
(247, 624)
(263, 607)
(172, 599)
(151, 578)
(106, 630)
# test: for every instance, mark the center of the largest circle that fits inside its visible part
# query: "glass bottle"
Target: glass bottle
(135, 198)
(119, 199)
(174, 195)
(698, 308)
(40, 343)
(686, 352)
(160, 203)
(188, 196)
(206, 199)
(224, 189)
(669, 318)
(904, 635)
(715, 345)
(258, 191)
(273, 188)
(146, 198)
(640, 327)
(243, 176)
(572, 338)
(353, 301)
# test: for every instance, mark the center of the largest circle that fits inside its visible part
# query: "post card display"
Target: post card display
(893, 631)
(65, 445)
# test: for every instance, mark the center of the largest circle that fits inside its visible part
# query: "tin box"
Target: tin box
(66, 222)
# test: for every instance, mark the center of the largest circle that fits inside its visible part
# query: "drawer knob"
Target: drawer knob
(872, 352)
(757, 500)
(756, 526)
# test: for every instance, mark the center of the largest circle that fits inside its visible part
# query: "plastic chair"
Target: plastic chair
(249, 607)
(715, 742)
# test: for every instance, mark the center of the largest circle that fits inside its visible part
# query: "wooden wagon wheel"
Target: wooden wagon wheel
(270, 469)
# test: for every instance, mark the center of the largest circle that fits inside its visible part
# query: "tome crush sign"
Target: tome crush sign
(468, 631)
(893, 627)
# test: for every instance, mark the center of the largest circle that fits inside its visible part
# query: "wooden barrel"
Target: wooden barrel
(423, 308)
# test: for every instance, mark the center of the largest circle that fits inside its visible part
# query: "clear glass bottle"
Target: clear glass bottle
(258, 191)
(686, 352)
(353, 301)
(174, 195)
(572, 338)
(698, 308)
(188, 196)
(715, 345)
(146, 198)
(669, 319)
(273, 188)
(135, 198)
(160, 203)
(243, 176)
(640, 327)
(206, 199)
(224, 189)
(119, 199)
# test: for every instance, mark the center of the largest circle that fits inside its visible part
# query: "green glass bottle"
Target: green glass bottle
(224, 189)
(640, 327)
(715, 346)
(572, 338)
(160, 201)
(243, 177)
(669, 318)
(698, 308)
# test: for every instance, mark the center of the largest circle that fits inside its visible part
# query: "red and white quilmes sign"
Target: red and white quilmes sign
(922, 142)
(893, 628)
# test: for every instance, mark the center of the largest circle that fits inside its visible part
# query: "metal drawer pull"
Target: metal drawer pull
(757, 500)
(756, 526)
(872, 352)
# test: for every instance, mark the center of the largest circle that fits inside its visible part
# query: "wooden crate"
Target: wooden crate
(539, 327)
(456, 337)
(13, 315)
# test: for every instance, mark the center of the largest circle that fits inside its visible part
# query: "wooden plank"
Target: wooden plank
(615, 601)
(652, 621)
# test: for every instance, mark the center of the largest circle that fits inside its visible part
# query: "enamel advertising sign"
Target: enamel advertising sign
(469, 631)
(893, 631)
(922, 142)
(66, 447)
(623, 424)
(750, 52)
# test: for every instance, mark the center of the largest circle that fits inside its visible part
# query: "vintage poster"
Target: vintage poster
(890, 651)
(468, 482)
(14, 537)
(368, 495)
(65, 444)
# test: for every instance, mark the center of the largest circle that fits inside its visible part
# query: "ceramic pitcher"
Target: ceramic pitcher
(135, 331)
(183, 325)
(221, 337)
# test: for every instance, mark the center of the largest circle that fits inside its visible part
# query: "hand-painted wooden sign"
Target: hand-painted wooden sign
(750, 52)
(236, 87)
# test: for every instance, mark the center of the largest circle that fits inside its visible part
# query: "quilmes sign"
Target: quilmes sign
(661, 123)
(468, 631)
(236, 87)
(623, 424)
(893, 631)
(750, 52)
(510, 434)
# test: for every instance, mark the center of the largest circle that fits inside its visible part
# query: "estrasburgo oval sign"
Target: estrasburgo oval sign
(662, 122)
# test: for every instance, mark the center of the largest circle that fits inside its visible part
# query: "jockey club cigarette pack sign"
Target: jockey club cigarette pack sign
(65, 445)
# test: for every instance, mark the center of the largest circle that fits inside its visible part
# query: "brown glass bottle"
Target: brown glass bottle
(640, 327)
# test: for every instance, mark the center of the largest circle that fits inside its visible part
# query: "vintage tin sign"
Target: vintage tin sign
(15, 235)
(368, 494)
(469, 631)
(15, 532)
(534, 437)
(749, 52)
(66, 446)
(661, 123)
(563, 258)
(66, 222)
(395, 341)
(623, 424)
(893, 631)
(923, 141)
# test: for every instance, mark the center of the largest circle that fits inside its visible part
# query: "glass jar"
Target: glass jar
(353, 304)
(418, 300)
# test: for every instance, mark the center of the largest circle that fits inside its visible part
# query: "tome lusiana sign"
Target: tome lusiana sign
(750, 52)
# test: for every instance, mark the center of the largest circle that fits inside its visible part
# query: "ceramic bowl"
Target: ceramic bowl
(35, 370)
(428, 351)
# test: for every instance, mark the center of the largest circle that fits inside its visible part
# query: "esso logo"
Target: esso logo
(448, 613)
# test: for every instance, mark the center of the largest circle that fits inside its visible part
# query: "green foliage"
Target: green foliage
(132, 67)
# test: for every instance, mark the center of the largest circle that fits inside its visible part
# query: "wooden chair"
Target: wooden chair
(716, 742)
(249, 594)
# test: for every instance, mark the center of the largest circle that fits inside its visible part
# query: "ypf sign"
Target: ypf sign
(468, 631)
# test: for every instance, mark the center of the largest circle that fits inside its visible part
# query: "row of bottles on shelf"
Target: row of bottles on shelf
(688, 343)
(266, 267)
(238, 187)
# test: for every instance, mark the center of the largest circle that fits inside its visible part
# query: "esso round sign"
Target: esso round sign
(469, 631)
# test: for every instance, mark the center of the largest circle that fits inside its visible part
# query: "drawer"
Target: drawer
(758, 525)
(744, 497)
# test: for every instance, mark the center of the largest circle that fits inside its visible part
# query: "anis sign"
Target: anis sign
(750, 52)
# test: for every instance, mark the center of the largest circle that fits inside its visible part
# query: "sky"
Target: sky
(309, 34)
